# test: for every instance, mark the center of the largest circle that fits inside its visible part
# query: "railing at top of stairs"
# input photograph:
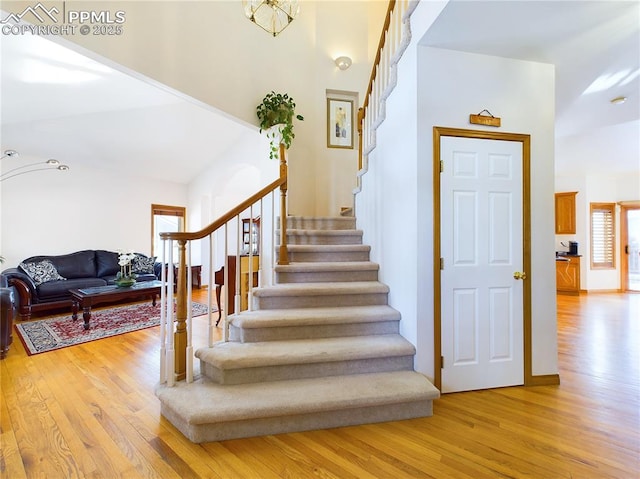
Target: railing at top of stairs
(176, 349)
(393, 42)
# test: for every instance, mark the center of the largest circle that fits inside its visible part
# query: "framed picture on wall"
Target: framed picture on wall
(339, 123)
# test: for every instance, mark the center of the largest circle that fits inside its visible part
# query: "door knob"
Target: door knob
(520, 275)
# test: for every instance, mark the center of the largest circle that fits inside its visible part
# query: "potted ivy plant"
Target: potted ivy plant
(276, 113)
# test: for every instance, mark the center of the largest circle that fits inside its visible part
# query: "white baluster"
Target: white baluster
(163, 309)
(189, 350)
(170, 315)
(210, 322)
(225, 329)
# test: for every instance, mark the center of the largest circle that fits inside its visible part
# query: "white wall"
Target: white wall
(440, 87)
(51, 212)
(214, 54)
(387, 207)
(508, 88)
(231, 178)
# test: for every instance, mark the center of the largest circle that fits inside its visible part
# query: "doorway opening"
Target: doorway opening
(499, 167)
(630, 247)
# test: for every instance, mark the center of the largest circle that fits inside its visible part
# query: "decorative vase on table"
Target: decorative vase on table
(125, 278)
(125, 282)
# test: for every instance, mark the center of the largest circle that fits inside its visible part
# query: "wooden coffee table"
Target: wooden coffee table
(85, 298)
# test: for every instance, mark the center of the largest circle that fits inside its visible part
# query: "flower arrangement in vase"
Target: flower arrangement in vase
(125, 277)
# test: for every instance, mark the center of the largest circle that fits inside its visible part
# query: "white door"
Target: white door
(482, 252)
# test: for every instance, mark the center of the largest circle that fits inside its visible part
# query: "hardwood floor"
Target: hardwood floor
(90, 411)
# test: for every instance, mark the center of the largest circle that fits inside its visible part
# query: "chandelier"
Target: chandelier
(271, 15)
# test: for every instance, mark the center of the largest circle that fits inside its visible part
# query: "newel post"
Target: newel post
(180, 336)
(360, 127)
(284, 255)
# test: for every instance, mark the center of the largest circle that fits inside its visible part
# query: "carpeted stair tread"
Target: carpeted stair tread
(233, 355)
(326, 272)
(321, 222)
(307, 232)
(327, 266)
(323, 236)
(275, 318)
(210, 403)
(328, 248)
(328, 252)
(319, 289)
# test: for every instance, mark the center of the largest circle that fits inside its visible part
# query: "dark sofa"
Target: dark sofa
(42, 283)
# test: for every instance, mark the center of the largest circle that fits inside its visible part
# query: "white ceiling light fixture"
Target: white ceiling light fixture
(619, 100)
(272, 16)
(51, 164)
(343, 62)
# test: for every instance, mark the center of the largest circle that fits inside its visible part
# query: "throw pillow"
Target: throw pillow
(41, 272)
(141, 264)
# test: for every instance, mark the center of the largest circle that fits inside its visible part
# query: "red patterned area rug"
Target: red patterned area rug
(62, 331)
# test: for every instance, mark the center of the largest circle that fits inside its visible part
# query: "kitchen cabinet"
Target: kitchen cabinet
(566, 213)
(568, 274)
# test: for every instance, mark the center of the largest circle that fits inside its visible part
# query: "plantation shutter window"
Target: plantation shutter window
(603, 235)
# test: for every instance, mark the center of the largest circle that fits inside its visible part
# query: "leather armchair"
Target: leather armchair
(7, 312)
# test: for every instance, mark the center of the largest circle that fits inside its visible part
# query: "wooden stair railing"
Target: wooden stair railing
(176, 351)
(390, 48)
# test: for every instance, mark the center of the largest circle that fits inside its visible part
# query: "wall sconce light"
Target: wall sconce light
(343, 62)
(51, 164)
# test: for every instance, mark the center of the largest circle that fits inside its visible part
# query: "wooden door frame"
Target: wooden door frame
(625, 206)
(439, 132)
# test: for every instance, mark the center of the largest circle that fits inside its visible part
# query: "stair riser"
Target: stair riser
(254, 335)
(222, 431)
(303, 371)
(299, 223)
(311, 239)
(323, 257)
(314, 301)
(326, 276)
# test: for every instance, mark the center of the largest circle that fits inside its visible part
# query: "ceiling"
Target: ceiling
(56, 103)
(595, 47)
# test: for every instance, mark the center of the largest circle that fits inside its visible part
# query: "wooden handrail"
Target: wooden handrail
(362, 111)
(228, 216)
(383, 36)
(181, 364)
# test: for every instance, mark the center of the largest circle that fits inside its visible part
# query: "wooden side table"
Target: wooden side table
(196, 276)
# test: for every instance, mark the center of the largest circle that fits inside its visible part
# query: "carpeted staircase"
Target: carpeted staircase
(320, 350)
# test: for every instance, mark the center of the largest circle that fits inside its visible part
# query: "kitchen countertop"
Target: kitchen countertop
(562, 256)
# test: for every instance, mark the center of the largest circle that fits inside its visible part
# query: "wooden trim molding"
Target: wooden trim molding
(543, 380)
(623, 241)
